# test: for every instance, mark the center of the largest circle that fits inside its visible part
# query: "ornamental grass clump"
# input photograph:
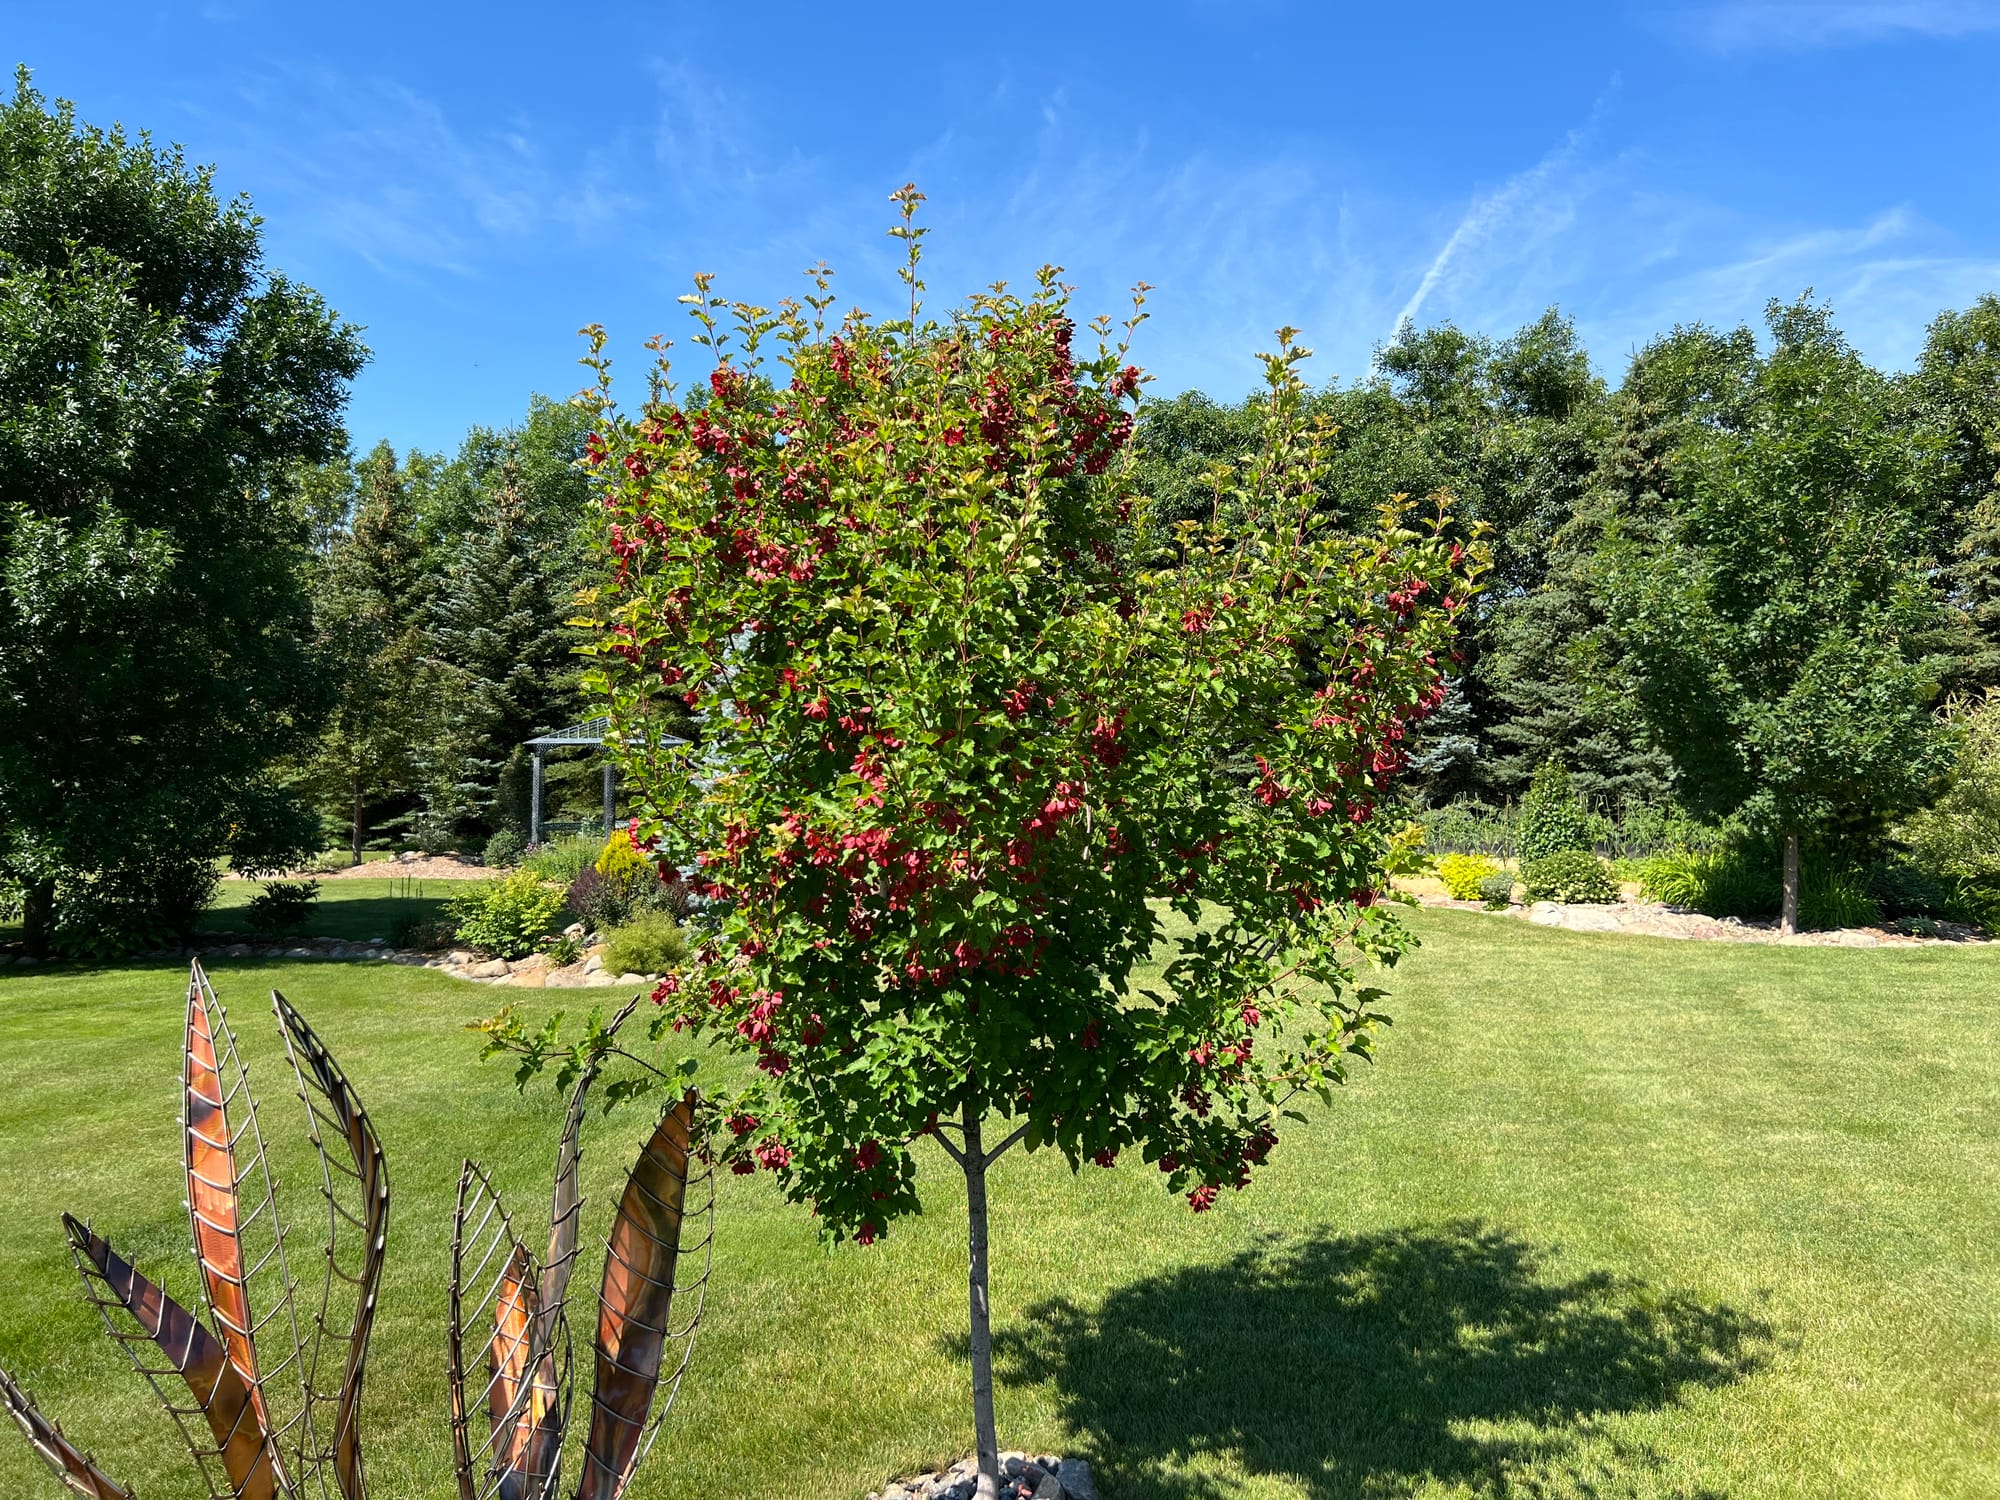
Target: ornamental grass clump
(961, 738)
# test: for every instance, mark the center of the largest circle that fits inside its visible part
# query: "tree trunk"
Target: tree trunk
(357, 820)
(1788, 910)
(986, 1437)
(38, 916)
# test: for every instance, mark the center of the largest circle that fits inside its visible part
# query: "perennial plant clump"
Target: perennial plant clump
(1462, 874)
(962, 717)
(506, 917)
(1569, 875)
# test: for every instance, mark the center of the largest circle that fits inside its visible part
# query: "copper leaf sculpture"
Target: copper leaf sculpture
(273, 1413)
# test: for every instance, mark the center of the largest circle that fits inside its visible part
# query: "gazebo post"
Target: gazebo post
(595, 731)
(535, 799)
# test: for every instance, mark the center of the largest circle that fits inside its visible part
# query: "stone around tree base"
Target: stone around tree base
(1022, 1477)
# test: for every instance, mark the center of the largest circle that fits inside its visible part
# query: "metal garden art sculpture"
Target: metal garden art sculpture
(267, 1393)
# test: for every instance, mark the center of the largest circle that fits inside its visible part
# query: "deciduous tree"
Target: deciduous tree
(1778, 627)
(950, 782)
(158, 390)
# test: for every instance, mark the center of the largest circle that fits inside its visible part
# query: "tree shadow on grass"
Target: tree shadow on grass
(1364, 1366)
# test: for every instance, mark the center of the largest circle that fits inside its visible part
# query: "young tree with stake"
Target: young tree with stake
(960, 749)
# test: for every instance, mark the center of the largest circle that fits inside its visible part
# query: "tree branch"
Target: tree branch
(949, 1149)
(1001, 1150)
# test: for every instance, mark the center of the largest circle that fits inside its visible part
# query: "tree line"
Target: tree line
(442, 589)
(1743, 581)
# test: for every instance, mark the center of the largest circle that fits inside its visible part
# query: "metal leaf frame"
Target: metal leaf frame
(269, 1403)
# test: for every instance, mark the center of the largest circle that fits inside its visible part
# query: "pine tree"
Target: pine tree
(500, 655)
(1955, 394)
(1545, 662)
(1972, 583)
(367, 615)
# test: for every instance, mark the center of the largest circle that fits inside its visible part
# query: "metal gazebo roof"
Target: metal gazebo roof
(589, 732)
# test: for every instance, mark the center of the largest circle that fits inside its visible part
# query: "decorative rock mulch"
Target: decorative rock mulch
(1022, 1478)
(1650, 919)
(411, 864)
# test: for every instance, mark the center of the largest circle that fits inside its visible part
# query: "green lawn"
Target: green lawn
(1611, 1217)
(359, 907)
(356, 908)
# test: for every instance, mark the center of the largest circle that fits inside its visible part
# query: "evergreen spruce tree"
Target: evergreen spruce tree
(1972, 583)
(1956, 393)
(1545, 667)
(500, 654)
(1445, 763)
(368, 615)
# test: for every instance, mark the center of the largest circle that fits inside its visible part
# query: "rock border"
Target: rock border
(1652, 919)
(1046, 1477)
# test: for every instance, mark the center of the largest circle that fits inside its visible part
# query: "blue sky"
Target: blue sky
(474, 183)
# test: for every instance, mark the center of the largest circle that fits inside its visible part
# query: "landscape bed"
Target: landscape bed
(1613, 1216)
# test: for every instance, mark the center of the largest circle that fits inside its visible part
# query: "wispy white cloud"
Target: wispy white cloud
(1764, 25)
(1237, 246)
(1885, 278)
(378, 168)
(1525, 196)
(1237, 241)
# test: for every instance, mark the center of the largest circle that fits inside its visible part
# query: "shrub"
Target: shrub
(1830, 901)
(619, 859)
(620, 884)
(1552, 819)
(1569, 876)
(562, 950)
(504, 849)
(597, 900)
(651, 943)
(560, 862)
(151, 903)
(1496, 891)
(1462, 873)
(434, 835)
(424, 933)
(1959, 834)
(285, 906)
(1903, 890)
(507, 917)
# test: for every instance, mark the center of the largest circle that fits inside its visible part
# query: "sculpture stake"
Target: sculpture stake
(270, 1414)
